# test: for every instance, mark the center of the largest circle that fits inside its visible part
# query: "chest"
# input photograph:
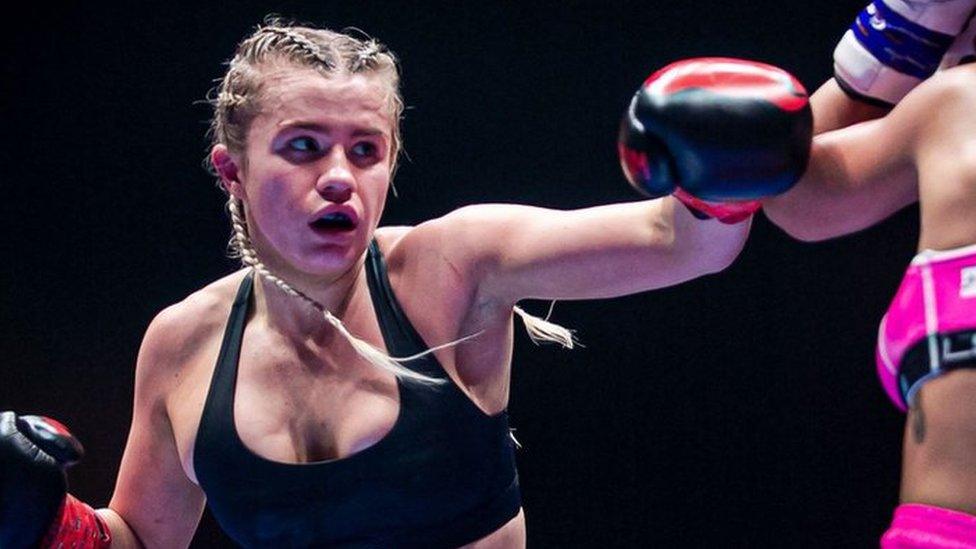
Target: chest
(297, 404)
(291, 404)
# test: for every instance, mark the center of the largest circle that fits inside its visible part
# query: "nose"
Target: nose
(337, 183)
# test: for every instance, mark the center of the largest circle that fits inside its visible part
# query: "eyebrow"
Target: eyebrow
(315, 126)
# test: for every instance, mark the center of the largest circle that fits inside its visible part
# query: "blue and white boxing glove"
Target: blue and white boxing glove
(895, 44)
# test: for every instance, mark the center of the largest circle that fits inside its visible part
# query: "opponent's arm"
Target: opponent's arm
(860, 175)
(35, 508)
(894, 45)
(889, 49)
(833, 108)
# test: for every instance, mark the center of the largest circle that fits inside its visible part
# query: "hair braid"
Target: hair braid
(230, 99)
(365, 58)
(373, 355)
(301, 42)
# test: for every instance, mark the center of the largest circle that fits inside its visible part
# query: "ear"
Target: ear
(228, 169)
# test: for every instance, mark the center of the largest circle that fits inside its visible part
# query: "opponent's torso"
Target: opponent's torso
(927, 350)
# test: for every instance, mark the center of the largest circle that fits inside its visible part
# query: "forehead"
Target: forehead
(305, 95)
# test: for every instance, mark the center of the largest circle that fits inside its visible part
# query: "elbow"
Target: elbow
(123, 535)
(804, 232)
(724, 257)
(697, 247)
(808, 234)
(799, 227)
(724, 261)
(717, 252)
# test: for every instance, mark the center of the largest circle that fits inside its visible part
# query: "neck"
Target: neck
(296, 317)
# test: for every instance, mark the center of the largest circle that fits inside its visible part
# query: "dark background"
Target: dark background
(741, 408)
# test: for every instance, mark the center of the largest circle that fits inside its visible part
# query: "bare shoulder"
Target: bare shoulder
(462, 238)
(435, 269)
(403, 244)
(956, 88)
(957, 80)
(432, 247)
(946, 106)
(180, 331)
(163, 507)
(435, 272)
(388, 237)
(948, 94)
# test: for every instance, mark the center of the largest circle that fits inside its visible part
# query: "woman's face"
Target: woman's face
(317, 170)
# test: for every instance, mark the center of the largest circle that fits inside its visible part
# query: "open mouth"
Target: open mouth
(334, 221)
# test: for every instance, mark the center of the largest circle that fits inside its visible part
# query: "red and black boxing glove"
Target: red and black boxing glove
(35, 508)
(718, 133)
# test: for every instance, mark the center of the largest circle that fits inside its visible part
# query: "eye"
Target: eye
(365, 149)
(304, 144)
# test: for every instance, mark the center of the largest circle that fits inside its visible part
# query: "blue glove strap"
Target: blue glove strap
(903, 45)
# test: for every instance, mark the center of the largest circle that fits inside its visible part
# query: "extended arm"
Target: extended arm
(514, 252)
(668, 142)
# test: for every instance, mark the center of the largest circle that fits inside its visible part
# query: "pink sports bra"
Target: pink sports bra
(930, 327)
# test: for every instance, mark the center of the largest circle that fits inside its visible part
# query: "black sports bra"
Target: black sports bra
(443, 476)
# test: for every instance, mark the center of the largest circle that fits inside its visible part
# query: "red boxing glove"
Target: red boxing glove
(726, 212)
(718, 133)
(77, 525)
(35, 509)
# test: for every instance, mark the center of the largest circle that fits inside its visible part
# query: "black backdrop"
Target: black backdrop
(740, 408)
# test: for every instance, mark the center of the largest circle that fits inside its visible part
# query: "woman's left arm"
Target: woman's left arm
(513, 252)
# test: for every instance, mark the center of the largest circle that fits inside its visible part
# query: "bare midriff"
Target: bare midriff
(940, 433)
(940, 444)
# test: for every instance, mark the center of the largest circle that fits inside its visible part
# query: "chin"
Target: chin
(319, 257)
(331, 259)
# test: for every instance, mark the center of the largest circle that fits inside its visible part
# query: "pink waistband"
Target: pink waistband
(937, 256)
(936, 297)
(919, 526)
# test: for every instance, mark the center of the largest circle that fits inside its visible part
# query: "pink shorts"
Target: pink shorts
(931, 325)
(918, 526)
